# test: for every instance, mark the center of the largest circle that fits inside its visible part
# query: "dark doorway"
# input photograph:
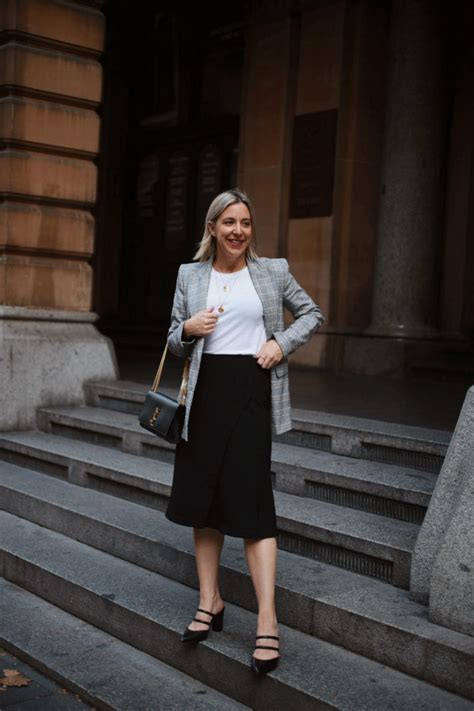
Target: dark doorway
(170, 131)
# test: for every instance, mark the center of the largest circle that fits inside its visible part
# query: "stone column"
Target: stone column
(50, 89)
(404, 299)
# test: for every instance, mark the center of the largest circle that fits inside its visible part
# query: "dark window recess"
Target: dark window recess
(164, 65)
(222, 72)
(313, 164)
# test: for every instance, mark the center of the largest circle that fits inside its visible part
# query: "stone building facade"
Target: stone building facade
(348, 122)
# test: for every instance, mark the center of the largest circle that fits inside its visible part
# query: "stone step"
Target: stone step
(149, 611)
(384, 489)
(102, 669)
(385, 442)
(99, 467)
(356, 612)
(120, 395)
(355, 540)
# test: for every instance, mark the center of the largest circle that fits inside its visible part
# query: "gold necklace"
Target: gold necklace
(226, 288)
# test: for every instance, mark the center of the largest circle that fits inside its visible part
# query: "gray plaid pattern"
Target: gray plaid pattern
(277, 288)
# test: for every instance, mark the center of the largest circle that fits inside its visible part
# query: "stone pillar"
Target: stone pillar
(442, 572)
(51, 84)
(358, 162)
(405, 298)
(266, 119)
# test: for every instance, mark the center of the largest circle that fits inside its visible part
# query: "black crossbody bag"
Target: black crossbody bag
(161, 414)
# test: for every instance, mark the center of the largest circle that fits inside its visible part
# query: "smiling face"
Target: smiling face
(233, 232)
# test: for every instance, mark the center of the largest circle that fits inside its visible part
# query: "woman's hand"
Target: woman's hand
(202, 323)
(269, 354)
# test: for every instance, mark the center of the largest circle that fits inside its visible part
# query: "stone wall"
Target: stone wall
(50, 90)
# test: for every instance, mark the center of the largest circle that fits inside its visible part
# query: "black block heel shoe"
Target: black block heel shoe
(263, 666)
(217, 623)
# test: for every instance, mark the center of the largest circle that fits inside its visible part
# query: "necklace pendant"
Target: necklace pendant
(226, 288)
(221, 309)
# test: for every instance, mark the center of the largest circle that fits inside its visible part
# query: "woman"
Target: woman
(228, 317)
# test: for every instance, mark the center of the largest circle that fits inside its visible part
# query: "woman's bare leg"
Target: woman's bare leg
(261, 555)
(208, 544)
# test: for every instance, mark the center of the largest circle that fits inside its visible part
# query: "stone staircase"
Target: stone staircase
(95, 575)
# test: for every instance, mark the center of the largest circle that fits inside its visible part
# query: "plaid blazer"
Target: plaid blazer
(277, 288)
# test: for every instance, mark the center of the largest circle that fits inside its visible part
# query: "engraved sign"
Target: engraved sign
(176, 199)
(313, 164)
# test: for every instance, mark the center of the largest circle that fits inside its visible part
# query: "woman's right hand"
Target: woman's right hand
(202, 323)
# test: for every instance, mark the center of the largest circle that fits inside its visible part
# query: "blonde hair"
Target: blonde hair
(207, 245)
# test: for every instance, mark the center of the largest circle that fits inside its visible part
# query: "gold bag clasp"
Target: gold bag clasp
(154, 417)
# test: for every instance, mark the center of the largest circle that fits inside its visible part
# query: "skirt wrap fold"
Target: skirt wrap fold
(222, 474)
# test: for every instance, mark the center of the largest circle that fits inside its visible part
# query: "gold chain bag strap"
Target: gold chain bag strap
(161, 414)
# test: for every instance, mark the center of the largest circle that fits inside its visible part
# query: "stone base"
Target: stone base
(46, 359)
(442, 572)
(366, 354)
(446, 357)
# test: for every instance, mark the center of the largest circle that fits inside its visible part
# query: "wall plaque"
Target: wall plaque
(313, 164)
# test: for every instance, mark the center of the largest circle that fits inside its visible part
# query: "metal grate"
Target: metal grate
(422, 461)
(310, 440)
(412, 513)
(334, 555)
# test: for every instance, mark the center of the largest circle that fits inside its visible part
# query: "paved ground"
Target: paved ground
(40, 694)
(416, 402)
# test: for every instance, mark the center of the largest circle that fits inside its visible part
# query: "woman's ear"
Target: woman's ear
(210, 227)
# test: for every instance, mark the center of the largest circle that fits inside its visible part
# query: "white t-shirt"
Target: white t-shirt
(240, 329)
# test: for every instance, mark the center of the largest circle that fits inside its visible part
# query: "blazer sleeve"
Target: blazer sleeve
(176, 343)
(307, 314)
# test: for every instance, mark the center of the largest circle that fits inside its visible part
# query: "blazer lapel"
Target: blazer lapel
(202, 276)
(261, 284)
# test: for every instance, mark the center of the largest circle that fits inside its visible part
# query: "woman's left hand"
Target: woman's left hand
(269, 354)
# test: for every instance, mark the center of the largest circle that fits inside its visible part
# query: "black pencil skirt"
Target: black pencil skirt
(222, 475)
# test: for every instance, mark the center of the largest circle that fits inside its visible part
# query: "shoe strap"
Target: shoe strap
(212, 614)
(266, 636)
(202, 621)
(261, 646)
